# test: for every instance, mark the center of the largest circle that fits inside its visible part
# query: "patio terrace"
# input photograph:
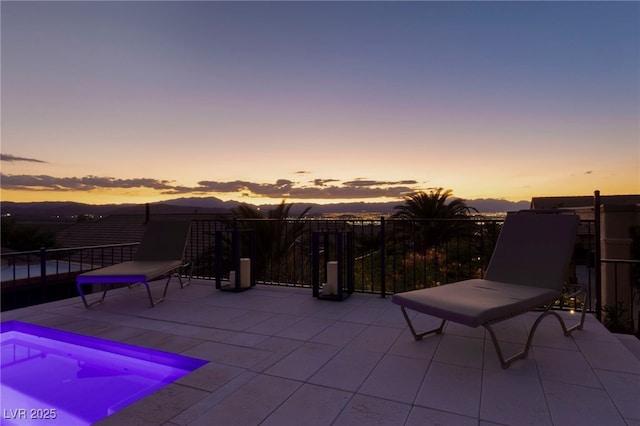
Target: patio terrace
(280, 357)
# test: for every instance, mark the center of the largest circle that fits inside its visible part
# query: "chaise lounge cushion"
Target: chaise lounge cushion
(130, 272)
(476, 302)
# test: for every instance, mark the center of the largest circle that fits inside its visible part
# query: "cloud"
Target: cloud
(323, 182)
(347, 192)
(281, 188)
(320, 189)
(12, 158)
(87, 183)
(365, 182)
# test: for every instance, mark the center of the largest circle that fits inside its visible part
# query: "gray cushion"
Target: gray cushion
(130, 272)
(475, 302)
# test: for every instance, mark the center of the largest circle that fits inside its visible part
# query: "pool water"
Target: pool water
(56, 377)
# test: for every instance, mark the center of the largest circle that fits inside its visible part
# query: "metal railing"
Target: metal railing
(33, 277)
(622, 298)
(44, 263)
(390, 255)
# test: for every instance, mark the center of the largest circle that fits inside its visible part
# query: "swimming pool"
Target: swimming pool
(55, 377)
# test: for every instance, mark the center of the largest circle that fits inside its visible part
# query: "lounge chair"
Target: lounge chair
(526, 271)
(159, 254)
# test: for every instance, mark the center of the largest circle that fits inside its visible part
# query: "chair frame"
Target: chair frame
(142, 269)
(132, 280)
(505, 362)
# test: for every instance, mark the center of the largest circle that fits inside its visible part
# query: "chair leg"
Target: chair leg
(155, 302)
(176, 274)
(580, 324)
(568, 330)
(190, 274)
(505, 363)
(166, 287)
(84, 299)
(104, 294)
(419, 336)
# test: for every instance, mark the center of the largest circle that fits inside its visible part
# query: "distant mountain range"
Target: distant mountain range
(209, 205)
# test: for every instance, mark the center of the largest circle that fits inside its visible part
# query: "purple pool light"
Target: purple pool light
(56, 377)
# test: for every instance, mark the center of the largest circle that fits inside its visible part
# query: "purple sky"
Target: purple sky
(318, 101)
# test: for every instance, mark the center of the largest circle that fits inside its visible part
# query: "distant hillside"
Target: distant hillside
(56, 210)
(484, 205)
(202, 202)
(69, 211)
(490, 205)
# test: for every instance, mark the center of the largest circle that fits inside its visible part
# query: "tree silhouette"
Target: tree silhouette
(434, 215)
(276, 231)
(433, 205)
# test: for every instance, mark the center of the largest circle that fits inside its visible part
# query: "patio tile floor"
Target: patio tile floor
(278, 356)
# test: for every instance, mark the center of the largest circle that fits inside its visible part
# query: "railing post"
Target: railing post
(43, 265)
(383, 275)
(598, 254)
(315, 263)
(217, 247)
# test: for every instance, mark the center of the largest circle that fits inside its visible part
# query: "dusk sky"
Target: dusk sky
(133, 102)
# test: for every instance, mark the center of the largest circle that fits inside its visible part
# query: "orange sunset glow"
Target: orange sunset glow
(135, 102)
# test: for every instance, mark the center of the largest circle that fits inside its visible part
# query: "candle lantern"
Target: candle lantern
(332, 264)
(235, 253)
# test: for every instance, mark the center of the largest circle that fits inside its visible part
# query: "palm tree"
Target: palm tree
(281, 211)
(433, 205)
(432, 214)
